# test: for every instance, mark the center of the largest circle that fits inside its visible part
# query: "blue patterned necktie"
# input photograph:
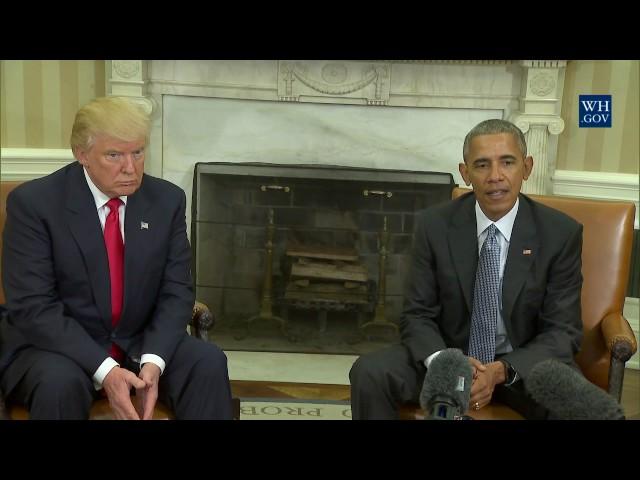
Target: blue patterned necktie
(484, 318)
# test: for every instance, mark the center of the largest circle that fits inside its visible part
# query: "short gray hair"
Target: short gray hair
(492, 127)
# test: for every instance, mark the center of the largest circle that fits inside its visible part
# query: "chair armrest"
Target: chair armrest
(618, 336)
(202, 320)
(621, 343)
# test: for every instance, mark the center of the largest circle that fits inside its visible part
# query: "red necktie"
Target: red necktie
(115, 252)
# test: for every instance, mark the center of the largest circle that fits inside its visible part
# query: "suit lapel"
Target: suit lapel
(523, 250)
(84, 224)
(464, 246)
(136, 240)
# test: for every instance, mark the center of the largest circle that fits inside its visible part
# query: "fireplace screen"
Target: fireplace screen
(305, 258)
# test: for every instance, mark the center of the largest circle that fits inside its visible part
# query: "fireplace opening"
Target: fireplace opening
(305, 258)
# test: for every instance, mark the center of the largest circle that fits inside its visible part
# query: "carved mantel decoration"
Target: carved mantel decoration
(354, 80)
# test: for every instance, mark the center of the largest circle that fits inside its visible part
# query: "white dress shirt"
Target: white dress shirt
(103, 210)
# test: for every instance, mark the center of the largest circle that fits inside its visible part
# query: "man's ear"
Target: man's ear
(528, 167)
(462, 167)
(80, 154)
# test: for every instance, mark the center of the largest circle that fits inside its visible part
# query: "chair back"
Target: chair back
(606, 261)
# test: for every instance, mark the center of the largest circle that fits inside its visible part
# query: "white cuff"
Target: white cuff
(155, 359)
(102, 371)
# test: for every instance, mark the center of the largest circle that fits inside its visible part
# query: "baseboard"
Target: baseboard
(20, 164)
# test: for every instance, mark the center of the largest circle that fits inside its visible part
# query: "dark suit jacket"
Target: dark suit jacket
(541, 290)
(56, 273)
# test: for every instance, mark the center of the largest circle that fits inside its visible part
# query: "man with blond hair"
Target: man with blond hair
(96, 271)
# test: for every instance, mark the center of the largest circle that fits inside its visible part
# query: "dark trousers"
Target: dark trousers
(194, 384)
(382, 381)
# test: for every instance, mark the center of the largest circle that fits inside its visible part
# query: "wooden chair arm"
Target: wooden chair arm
(621, 343)
(618, 336)
(202, 320)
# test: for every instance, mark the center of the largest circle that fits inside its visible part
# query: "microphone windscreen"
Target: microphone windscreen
(449, 376)
(568, 395)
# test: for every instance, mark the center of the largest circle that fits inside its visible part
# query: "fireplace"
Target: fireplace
(305, 257)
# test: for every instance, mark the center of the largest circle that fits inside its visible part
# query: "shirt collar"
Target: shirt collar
(504, 225)
(100, 198)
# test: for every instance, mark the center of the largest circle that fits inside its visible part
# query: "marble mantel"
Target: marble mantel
(385, 114)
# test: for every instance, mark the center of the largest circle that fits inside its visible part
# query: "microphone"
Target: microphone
(447, 386)
(568, 395)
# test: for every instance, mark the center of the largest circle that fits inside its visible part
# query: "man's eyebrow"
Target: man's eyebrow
(478, 160)
(485, 159)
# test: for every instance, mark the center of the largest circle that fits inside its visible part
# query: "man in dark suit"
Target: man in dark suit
(96, 271)
(534, 308)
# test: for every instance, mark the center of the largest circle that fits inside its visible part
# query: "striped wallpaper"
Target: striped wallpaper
(39, 99)
(615, 149)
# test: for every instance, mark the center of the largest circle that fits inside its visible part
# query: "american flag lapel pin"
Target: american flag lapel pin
(526, 251)
(144, 226)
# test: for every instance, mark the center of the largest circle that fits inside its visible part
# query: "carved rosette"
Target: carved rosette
(351, 80)
(126, 69)
(334, 73)
(542, 84)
